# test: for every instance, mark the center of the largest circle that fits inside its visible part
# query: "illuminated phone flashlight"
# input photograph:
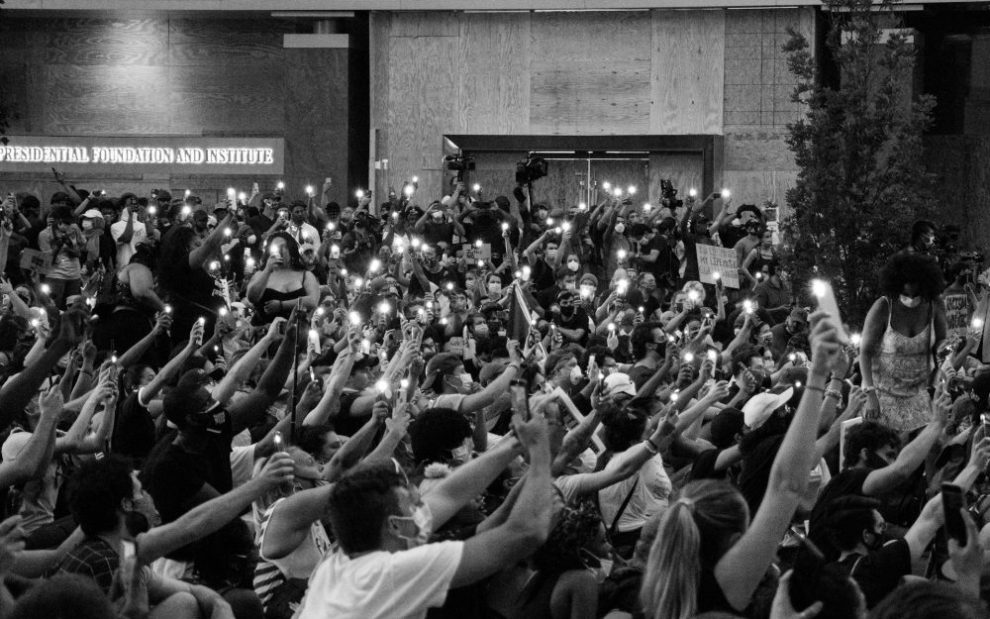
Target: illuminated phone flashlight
(227, 232)
(716, 276)
(449, 286)
(646, 207)
(855, 339)
(792, 357)
(611, 326)
(35, 323)
(622, 286)
(384, 307)
(223, 312)
(478, 243)
(404, 383)
(375, 265)
(358, 282)
(641, 309)
(277, 439)
(312, 372)
(250, 263)
(976, 323)
(415, 179)
(693, 296)
(606, 185)
(280, 185)
(359, 193)
(45, 289)
(408, 190)
(693, 192)
(320, 311)
(566, 226)
(330, 226)
(231, 192)
(689, 357)
(188, 192)
(476, 188)
(168, 309)
(505, 227)
(671, 338)
(113, 359)
(631, 190)
(748, 306)
(309, 190)
(618, 192)
(582, 206)
(526, 272)
(819, 288)
(674, 396)
(242, 197)
(152, 211)
(186, 211)
(201, 320)
(558, 229)
(549, 221)
(274, 251)
(354, 318)
(381, 385)
(415, 242)
(443, 320)
(621, 254)
(712, 356)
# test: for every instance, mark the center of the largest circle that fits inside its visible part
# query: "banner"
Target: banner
(36, 261)
(957, 313)
(721, 260)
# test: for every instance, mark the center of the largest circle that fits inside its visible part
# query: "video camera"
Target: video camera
(530, 169)
(459, 164)
(668, 195)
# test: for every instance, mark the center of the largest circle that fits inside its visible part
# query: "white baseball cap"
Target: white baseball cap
(619, 382)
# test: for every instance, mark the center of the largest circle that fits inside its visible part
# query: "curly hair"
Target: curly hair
(910, 268)
(870, 436)
(577, 528)
(435, 432)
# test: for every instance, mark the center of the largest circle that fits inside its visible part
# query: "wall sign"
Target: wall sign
(163, 155)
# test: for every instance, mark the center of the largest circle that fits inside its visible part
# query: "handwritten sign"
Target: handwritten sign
(957, 313)
(36, 261)
(721, 260)
(473, 253)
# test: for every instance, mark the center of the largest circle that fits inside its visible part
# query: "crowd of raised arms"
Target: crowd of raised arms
(475, 408)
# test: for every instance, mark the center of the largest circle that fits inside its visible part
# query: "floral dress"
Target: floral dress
(901, 376)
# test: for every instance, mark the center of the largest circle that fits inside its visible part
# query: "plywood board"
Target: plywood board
(422, 103)
(106, 41)
(684, 170)
(590, 97)
(225, 42)
(609, 38)
(425, 24)
(494, 92)
(688, 72)
(379, 29)
(234, 98)
(755, 187)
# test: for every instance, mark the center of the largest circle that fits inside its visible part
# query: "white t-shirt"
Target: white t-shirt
(652, 494)
(389, 585)
(126, 250)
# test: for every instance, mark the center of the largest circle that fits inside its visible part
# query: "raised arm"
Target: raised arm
(913, 455)
(742, 567)
(163, 376)
(211, 245)
(30, 463)
(236, 376)
(135, 353)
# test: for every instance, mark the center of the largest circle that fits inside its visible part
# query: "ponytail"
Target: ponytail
(673, 571)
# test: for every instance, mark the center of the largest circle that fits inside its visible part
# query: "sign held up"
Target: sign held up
(721, 260)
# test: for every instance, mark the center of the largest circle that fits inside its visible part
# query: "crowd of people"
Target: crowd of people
(477, 408)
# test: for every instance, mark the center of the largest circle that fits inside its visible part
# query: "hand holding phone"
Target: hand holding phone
(520, 399)
(953, 501)
(826, 302)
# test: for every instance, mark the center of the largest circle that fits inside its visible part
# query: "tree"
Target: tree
(862, 179)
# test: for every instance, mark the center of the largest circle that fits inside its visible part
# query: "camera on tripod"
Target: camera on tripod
(668, 195)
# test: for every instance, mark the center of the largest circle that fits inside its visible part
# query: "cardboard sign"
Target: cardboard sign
(721, 260)
(571, 417)
(36, 261)
(843, 428)
(957, 313)
(473, 253)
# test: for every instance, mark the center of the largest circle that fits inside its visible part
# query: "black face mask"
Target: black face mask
(873, 461)
(879, 539)
(567, 310)
(212, 421)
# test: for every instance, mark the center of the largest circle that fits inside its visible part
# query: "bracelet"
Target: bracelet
(868, 390)
(814, 388)
(833, 393)
(650, 447)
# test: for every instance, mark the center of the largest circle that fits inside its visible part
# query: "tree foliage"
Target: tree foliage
(862, 179)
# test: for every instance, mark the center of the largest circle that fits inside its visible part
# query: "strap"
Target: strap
(622, 508)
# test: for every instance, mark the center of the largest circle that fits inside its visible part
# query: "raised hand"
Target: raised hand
(274, 327)
(826, 351)
(196, 334)
(782, 608)
(51, 402)
(279, 469)
(163, 322)
(533, 434)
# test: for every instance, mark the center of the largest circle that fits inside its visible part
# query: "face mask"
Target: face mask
(481, 331)
(620, 228)
(421, 519)
(466, 379)
(573, 265)
(436, 215)
(87, 225)
(576, 374)
(461, 454)
(252, 239)
(567, 310)
(907, 301)
(494, 289)
(570, 286)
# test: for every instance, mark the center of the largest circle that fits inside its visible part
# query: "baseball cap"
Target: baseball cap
(800, 314)
(189, 396)
(92, 214)
(619, 382)
(759, 407)
(14, 445)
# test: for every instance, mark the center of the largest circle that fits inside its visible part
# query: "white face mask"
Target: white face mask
(466, 380)
(570, 286)
(576, 374)
(252, 239)
(87, 224)
(436, 215)
(620, 228)
(907, 301)
(573, 265)
(422, 519)
(461, 454)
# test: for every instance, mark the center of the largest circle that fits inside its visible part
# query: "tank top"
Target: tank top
(261, 317)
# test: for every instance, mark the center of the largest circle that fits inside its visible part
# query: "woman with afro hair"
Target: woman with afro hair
(903, 330)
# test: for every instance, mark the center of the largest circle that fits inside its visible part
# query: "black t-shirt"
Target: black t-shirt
(343, 422)
(542, 275)
(134, 431)
(260, 223)
(704, 466)
(730, 235)
(667, 265)
(486, 224)
(435, 233)
(879, 572)
(577, 320)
